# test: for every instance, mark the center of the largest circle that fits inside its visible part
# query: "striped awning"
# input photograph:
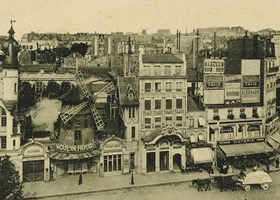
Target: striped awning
(73, 156)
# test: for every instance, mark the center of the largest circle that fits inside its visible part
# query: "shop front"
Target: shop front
(164, 150)
(240, 152)
(73, 159)
(114, 159)
(34, 162)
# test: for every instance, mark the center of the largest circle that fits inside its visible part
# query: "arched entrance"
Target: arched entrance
(177, 161)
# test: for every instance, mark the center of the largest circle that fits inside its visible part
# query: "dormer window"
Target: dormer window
(130, 92)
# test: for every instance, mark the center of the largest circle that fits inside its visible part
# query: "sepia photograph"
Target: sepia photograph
(139, 99)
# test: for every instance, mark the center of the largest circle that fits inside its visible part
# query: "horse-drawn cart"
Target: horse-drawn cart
(255, 178)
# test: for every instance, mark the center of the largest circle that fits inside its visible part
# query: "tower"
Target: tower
(10, 73)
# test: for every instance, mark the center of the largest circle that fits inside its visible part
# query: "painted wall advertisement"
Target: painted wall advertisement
(251, 81)
(214, 82)
(232, 91)
(213, 66)
(250, 95)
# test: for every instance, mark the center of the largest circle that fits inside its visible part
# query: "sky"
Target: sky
(106, 16)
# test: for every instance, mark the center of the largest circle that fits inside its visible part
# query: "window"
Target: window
(157, 104)
(168, 120)
(167, 70)
(179, 104)
(78, 135)
(168, 86)
(147, 104)
(3, 118)
(168, 104)
(216, 112)
(178, 69)
(3, 142)
(157, 122)
(131, 113)
(179, 121)
(255, 110)
(147, 87)
(157, 70)
(230, 111)
(191, 123)
(133, 133)
(112, 163)
(158, 87)
(147, 122)
(242, 111)
(14, 143)
(179, 86)
(15, 88)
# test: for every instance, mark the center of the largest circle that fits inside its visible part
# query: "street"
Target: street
(184, 191)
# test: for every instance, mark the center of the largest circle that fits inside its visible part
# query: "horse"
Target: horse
(202, 183)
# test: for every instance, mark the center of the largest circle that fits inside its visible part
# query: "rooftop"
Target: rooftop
(160, 58)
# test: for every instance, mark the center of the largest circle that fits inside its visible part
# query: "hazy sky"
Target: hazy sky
(106, 16)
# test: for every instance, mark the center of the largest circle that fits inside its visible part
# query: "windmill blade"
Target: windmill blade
(97, 118)
(107, 88)
(65, 117)
(82, 85)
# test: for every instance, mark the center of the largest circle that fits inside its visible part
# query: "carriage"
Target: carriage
(255, 178)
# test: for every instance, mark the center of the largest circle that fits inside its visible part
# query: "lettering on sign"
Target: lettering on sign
(213, 82)
(233, 78)
(113, 145)
(250, 95)
(33, 151)
(63, 147)
(251, 81)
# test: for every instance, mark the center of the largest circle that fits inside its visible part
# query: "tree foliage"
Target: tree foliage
(53, 89)
(10, 184)
(26, 96)
(65, 87)
(80, 48)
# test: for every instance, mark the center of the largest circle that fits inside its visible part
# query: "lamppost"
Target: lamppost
(131, 170)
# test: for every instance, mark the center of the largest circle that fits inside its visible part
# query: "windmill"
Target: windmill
(88, 100)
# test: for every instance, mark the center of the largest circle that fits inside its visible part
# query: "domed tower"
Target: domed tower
(10, 68)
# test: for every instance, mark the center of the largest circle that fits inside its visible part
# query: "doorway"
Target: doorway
(164, 160)
(33, 171)
(151, 164)
(177, 161)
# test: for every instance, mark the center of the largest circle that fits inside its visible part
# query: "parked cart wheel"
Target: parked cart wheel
(247, 188)
(264, 186)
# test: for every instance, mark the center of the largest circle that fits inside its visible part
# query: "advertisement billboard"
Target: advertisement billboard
(213, 82)
(214, 66)
(251, 81)
(214, 96)
(250, 67)
(233, 78)
(250, 95)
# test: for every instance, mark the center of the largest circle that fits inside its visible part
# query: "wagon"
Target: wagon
(255, 178)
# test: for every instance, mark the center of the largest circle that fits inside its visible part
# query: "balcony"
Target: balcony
(273, 69)
(217, 117)
(243, 116)
(255, 115)
(230, 116)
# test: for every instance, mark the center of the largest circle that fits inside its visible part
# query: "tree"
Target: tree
(26, 96)
(80, 48)
(65, 87)
(10, 184)
(53, 89)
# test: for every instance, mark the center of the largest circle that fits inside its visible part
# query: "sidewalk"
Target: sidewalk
(68, 185)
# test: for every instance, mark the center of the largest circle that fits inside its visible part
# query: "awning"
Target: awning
(273, 143)
(201, 121)
(214, 127)
(245, 149)
(202, 155)
(73, 156)
(276, 137)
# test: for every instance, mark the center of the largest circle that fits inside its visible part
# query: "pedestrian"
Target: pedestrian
(277, 162)
(267, 168)
(80, 179)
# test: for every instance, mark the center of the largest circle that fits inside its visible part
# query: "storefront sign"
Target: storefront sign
(242, 141)
(250, 95)
(229, 78)
(63, 147)
(113, 145)
(251, 81)
(214, 82)
(33, 151)
(213, 66)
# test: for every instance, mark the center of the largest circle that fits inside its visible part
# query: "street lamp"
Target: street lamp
(131, 170)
